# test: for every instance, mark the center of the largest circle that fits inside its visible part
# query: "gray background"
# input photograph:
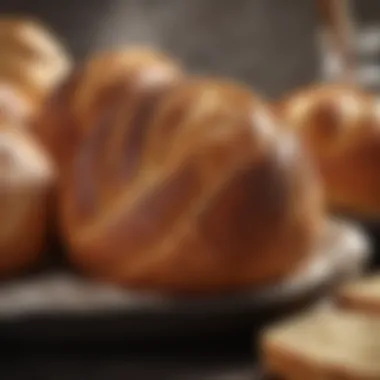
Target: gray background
(269, 44)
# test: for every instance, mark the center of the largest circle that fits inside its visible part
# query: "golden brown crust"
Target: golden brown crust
(25, 180)
(202, 194)
(32, 60)
(340, 127)
(96, 86)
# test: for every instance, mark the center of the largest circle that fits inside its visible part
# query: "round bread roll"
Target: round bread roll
(340, 127)
(32, 59)
(26, 175)
(94, 86)
(202, 194)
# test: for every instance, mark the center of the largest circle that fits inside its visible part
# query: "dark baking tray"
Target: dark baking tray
(60, 306)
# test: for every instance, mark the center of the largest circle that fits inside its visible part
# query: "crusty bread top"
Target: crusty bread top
(100, 83)
(363, 294)
(331, 340)
(32, 58)
(340, 127)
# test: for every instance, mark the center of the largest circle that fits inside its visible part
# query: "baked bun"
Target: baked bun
(323, 344)
(32, 59)
(25, 179)
(340, 127)
(362, 295)
(97, 84)
(201, 193)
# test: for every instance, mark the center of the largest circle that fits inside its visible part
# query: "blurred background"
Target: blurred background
(270, 44)
(274, 45)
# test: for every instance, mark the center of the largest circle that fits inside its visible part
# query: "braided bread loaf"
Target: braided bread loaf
(94, 86)
(340, 126)
(26, 176)
(190, 190)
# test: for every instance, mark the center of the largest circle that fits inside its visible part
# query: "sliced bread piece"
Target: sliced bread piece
(323, 345)
(361, 295)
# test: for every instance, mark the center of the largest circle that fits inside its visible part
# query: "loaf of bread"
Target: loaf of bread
(361, 295)
(193, 190)
(328, 344)
(26, 175)
(340, 127)
(32, 59)
(96, 85)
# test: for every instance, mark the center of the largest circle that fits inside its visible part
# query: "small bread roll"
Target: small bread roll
(362, 295)
(26, 175)
(323, 344)
(32, 59)
(94, 86)
(340, 127)
(199, 192)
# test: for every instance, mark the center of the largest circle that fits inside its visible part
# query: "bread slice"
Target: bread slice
(361, 295)
(324, 345)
